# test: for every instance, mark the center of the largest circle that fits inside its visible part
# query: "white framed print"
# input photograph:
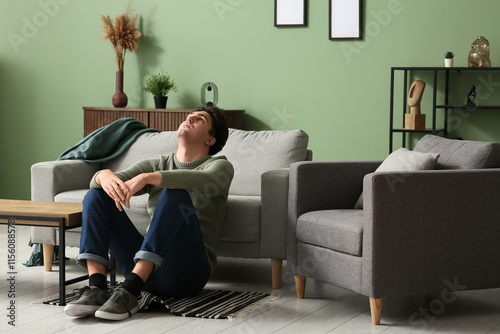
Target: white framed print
(290, 13)
(345, 19)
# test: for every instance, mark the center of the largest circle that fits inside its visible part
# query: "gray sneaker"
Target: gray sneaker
(121, 305)
(89, 301)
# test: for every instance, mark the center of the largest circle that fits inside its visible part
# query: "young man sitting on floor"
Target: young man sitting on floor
(188, 193)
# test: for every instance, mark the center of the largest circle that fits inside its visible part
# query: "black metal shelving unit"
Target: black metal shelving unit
(435, 106)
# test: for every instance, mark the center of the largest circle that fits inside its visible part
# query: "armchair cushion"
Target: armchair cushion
(461, 154)
(404, 160)
(339, 230)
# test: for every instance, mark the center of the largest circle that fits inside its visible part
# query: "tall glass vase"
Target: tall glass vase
(119, 99)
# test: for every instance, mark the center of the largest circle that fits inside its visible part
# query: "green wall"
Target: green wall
(53, 61)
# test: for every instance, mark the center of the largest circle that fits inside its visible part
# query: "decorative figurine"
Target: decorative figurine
(479, 55)
(209, 86)
(415, 120)
(471, 97)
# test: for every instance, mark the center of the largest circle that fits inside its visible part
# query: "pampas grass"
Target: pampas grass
(123, 35)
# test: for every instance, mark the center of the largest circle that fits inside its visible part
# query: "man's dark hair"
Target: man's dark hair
(219, 128)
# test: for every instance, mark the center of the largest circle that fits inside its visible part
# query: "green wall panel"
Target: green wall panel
(53, 62)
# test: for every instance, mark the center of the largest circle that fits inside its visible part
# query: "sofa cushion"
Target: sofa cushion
(404, 160)
(251, 153)
(72, 196)
(242, 219)
(255, 152)
(137, 212)
(339, 230)
(461, 154)
(147, 146)
(242, 215)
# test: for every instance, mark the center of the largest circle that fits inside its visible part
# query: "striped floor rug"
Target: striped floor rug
(210, 304)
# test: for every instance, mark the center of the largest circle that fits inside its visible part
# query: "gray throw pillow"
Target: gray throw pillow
(460, 154)
(404, 160)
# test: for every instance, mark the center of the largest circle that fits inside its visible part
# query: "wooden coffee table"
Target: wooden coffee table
(64, 216)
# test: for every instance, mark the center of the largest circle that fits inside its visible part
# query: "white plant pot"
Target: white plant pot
(448, 62)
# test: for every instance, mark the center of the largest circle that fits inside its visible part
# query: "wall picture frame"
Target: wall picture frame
(345, 19)
(290, 13)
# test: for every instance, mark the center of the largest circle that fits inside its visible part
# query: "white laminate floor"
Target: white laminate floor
(326, 308)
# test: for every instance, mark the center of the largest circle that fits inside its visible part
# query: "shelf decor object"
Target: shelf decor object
(290, 13)
(448, 59)
(415, 120)
(345, 19)
(124, 36)
(479, 55)
(471, 97)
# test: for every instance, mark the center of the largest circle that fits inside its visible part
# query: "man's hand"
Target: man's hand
(137, 183)
(114, 187)
(120, 191)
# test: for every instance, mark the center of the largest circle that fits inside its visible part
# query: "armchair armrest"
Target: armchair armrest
(322, 185)
(52, 177)
(274, 206)
(424, 229)
(326, 185)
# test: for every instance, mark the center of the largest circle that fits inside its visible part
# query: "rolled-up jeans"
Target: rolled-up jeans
(173, 242)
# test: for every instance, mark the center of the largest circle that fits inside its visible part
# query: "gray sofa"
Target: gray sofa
(418, 232)
(255, 220)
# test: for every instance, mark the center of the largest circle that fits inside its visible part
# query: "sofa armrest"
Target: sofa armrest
(274, 206)
(424, 229)
(53, 177)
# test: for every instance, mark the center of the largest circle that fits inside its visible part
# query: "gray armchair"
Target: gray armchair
(418, 232)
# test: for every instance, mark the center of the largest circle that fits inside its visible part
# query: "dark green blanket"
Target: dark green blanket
(108, 142)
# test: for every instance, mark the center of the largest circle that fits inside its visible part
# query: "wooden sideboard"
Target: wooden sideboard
(161, 119)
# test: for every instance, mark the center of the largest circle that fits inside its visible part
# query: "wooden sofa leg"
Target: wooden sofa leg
(300, 285)
(48, 255)
(376, 309)
(276, 266)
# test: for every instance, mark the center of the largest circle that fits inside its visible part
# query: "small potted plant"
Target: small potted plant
(159, 85)
(448, 59)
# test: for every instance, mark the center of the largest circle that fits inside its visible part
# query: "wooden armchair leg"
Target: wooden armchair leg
(300, 285)
(48, 255)
(376, 309)
(276, 266)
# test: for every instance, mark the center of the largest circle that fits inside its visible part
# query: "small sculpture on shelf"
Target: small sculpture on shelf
(479, 55)
(415, 120)
(471, 97)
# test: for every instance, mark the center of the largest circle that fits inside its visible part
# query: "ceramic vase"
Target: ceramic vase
(119, 99)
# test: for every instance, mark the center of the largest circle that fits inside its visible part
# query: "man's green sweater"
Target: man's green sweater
(207, 181)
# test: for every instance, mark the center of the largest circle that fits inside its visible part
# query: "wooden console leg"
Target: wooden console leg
(48, 255)
(376, 309)
(276, 266)
(300, 285)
